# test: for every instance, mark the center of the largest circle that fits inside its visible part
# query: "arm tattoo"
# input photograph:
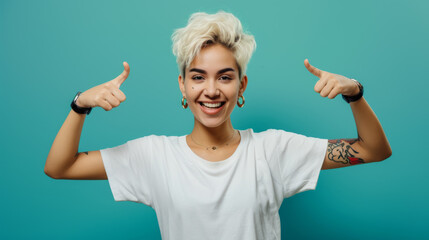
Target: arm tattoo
(341, 151)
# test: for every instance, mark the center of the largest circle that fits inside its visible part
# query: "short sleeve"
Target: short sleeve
(299, 159)
(127, 168)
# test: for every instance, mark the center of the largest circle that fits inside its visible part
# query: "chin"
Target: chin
(208, 120)
(210, 123)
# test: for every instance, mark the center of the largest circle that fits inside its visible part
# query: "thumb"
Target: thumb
(121, 78)
(315, 71)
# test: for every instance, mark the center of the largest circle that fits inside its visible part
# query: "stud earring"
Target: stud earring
(184, 105)
(240, 105)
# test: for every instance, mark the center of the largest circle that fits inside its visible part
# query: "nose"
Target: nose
(211, 89)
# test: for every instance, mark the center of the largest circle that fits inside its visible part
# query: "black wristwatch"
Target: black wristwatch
(356, 97)
(78, 109)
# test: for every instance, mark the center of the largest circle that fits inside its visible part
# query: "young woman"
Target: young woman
(216, 182)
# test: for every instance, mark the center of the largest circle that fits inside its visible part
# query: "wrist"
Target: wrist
(77, 108)
(357, 88)
(356, 95)
(78, 103)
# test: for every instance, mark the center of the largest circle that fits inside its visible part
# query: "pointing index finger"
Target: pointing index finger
(315, 71)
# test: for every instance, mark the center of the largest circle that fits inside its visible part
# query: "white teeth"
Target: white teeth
(212, 105)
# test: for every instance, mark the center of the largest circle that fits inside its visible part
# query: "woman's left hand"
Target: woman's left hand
(331, 84)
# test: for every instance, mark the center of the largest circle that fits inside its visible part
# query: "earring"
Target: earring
(242, 102)
(184, 105)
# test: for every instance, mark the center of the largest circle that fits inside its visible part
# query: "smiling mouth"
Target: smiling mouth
(212, 105)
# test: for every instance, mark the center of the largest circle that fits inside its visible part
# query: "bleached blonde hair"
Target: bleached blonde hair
(206, 29)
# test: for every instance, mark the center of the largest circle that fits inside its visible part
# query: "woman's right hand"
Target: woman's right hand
(106, 95)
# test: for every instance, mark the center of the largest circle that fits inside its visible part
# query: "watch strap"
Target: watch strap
(78, 109)
(356, 97)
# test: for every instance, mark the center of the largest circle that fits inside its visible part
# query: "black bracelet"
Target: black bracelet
(356, 97)
(78, 109)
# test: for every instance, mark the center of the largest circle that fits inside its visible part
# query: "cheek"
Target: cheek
(193, 90)
(232, 92)
(194, 87)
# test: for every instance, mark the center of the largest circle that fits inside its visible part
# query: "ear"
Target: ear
(243, 85)
(182, 85)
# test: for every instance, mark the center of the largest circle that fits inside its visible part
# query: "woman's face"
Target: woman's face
(212, 85)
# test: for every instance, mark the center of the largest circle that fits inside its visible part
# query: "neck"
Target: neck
(212, 135)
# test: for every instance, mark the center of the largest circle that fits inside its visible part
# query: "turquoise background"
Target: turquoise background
(49, 50)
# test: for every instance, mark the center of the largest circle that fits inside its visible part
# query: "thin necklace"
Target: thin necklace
(214, 147)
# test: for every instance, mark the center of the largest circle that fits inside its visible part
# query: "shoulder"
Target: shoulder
(273, 134)
(274, 138)
(270, 138)
(160, 140)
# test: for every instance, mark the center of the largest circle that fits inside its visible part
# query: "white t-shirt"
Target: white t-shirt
(237, 198)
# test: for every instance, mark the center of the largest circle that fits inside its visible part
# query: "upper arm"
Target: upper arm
(88, 165)
(345, 152)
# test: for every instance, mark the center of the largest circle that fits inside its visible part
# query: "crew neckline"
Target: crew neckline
(243, 139)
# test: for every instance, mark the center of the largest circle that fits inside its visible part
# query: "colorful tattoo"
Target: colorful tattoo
(341, 151)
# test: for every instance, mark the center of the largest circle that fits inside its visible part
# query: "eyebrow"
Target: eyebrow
(204, 72)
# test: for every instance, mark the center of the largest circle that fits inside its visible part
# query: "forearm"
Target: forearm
(65, 146)
(371, 136)
(371, 143)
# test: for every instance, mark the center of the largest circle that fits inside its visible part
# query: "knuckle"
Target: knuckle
(97, 98)
(105, 90)
(108, 84)
(102, 106)
(316, 89)
(122, 97)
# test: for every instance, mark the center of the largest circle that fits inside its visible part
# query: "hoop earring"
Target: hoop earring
(240, 105)
(184, 105)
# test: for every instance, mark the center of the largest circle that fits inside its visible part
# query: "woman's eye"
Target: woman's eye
(225, 78)
(197, 77)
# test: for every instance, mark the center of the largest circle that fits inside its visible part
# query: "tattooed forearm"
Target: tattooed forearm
(78, 153)
(341, 151)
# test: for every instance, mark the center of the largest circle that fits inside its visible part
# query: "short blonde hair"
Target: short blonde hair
(206, 29)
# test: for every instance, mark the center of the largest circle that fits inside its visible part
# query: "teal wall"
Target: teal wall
(49, 50)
